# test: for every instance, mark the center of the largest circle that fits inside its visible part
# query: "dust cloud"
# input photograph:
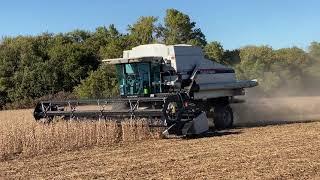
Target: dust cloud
(276, 110)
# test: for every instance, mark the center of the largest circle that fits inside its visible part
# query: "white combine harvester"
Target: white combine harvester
(175, 84)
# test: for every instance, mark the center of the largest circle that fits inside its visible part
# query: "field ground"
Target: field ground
(274, 151)
(273, 139)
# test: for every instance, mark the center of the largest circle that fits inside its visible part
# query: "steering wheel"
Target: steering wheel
(131, 79)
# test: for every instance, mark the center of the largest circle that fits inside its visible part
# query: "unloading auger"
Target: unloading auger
(172, 86)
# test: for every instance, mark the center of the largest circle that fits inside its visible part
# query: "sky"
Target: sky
(234, 23)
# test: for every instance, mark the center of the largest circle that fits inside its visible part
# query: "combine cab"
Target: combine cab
(172, 86)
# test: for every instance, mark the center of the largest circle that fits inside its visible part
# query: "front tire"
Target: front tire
(223, 117)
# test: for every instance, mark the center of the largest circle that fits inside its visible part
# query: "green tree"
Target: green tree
(279, 70)
(101, 83)
(143, 31)
(78, 35)
(214, 51)
(109, 42)
(314, 50)
(115, 47)
(77, 62)
(9, 62)
(231, 57)
(255, 64)
(254, 61)
(99, 38)
(312, 72)
(34, 66)
(179, 29)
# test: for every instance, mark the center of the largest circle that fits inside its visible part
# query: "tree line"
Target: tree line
(68, 65)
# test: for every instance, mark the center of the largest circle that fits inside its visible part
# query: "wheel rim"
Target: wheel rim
(172, 111)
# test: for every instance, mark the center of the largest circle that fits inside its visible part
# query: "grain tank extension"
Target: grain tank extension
(174, 86)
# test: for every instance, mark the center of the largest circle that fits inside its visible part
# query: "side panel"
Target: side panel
(217, 93)
(186, 57)
(205, 78)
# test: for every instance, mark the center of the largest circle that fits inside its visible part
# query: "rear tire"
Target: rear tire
(223, 117)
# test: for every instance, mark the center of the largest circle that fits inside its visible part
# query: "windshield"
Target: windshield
(131, 68)
(134, 78)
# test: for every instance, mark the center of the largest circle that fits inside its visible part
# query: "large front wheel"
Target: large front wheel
(223, 117)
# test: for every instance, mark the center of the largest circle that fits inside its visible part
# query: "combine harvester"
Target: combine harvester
(174, 85)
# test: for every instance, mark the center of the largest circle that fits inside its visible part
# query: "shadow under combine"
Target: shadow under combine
(237, 129)
(271, 123)
(214, 133)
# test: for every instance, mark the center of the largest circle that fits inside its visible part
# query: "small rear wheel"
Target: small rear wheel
(223, 117)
